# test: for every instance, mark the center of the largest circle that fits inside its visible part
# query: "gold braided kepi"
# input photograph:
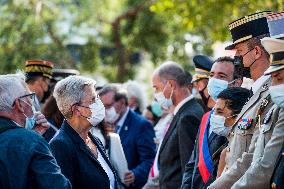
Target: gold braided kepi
(38, 68)
(248, 27)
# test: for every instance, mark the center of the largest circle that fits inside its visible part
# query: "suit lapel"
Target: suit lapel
(124, 127)
(85, 149)
(101, 148)
(211, 137)
(173, 124)
(169, 131)
(254, 99)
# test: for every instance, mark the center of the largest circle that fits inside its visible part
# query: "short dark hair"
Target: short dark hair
(106, 89)
(172, 71)
(121, 94)
(256, 41)
(32, 80)
(235, 98)
(236, 74)
(188, 77)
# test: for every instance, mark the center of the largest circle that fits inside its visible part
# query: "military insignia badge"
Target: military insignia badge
(267, 117)
(244, 123)
(265, 86)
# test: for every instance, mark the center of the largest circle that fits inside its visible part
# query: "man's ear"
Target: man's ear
(18, 106)
(238, 82)
(74, 110)
(258, 52)
(172, 84)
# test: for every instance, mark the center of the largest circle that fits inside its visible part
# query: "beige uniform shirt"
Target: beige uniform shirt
(242, 141)
(267, 147)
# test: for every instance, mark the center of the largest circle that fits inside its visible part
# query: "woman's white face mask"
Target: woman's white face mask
(98, 112)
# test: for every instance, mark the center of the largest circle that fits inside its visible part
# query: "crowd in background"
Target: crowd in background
(200, 131)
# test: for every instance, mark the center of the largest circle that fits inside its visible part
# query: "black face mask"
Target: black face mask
(204, 98)
(239, 66)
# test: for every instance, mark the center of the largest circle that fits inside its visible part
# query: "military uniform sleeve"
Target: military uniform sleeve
(234, 173)
(263, 166)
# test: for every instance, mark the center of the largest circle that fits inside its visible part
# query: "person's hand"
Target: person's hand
(41, 124)
(129, 178)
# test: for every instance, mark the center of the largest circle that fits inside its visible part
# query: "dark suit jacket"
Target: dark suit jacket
(192, 178)
(76, 160)
(137, 138)
(277, 179)
(26, 161)
(178, 144)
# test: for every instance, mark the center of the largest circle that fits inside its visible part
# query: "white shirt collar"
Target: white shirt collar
(258, 83)
(123, 118)
(181, 103)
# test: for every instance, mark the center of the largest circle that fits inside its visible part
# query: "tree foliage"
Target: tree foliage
(112, 36)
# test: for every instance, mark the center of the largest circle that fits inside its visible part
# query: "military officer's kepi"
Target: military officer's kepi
(276, 25)
(248, 27)
(275, 47)
(38, 68)
(203, 65)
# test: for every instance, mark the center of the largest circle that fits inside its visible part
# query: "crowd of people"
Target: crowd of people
(198, 132)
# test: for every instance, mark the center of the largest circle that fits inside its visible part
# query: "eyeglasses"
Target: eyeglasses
(94, 100)
(30, 96)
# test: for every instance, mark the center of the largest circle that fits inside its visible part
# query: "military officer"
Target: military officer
(271, 134)
(203, 65)
(38, 75)
(277, 179)
(246, 33)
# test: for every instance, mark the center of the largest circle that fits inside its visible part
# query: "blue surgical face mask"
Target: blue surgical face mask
(30, 121)
(277, 94)
(216, 86)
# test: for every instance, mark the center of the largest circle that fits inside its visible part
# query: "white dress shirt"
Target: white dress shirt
(181, 103)
(259, 82)
(107, 169)
(122, 120)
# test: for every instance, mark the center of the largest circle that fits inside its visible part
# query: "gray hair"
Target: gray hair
(134, 89)
(170, 70)
(70, 91)
(12, 86)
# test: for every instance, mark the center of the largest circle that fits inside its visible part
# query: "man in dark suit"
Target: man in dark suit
(170, 84)
(137, 138)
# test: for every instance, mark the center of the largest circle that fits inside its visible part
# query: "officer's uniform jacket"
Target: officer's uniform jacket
(242, 139)
(277, 179)
(257, 174)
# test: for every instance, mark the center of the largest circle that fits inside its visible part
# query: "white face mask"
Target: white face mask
(111, 115)
(162, 100)
(98, 112)
(277, 94)
(217, 123)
